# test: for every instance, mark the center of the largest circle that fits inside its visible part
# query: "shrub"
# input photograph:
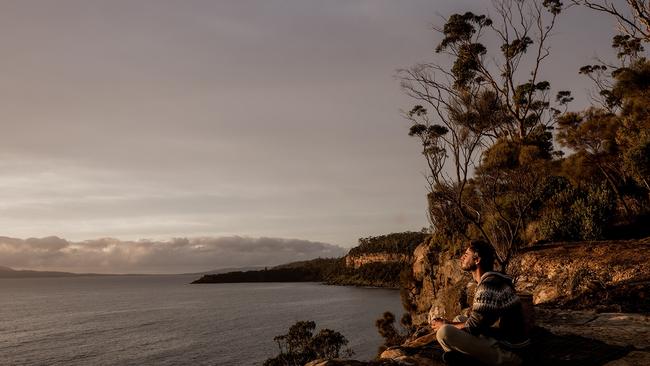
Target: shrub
(402, 243)
(573, 214)
(300, 345)
(594, 211)
(392, 336)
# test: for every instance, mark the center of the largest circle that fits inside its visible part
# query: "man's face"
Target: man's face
(468, 260)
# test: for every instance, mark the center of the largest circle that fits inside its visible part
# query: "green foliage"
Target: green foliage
(633, 136)
(397, 243)
(611, 144)
(575, 214)
(315, 270)
(392, 336)
(458, 33)
(327, 343)
(636, 160)
(557, 221)
(300, 345)
(524, 91)
(467, 63)
(489, 142)
(449, 222)
(564, 97)
(377, 274)
(503, 154)
(460, 28)
(625, 94)
(594, 211)
(494, 170)
(592, 132)
(516, 47)
(627, 45)
(553, 6)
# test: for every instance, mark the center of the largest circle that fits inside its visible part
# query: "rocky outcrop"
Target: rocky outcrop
(438, 286)
(564, 337)
(607, 282)
(620, 329)
(628, 330)
(325, 362)
(356, 261)
(607, 276)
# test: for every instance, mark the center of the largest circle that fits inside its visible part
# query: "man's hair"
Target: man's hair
(484, 251)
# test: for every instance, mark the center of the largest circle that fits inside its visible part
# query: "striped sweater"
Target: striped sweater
(497, 311)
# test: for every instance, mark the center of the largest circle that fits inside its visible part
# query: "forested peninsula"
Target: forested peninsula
(377, 261)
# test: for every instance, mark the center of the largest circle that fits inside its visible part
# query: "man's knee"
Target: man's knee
(444, 331)
(445, 334)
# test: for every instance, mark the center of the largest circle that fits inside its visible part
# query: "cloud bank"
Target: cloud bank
(179, 255)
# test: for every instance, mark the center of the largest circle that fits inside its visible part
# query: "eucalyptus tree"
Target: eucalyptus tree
(483, 116)
(615, 135)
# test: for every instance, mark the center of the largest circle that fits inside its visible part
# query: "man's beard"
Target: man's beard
(468, 268)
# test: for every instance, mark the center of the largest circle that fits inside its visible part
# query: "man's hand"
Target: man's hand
(436, 323)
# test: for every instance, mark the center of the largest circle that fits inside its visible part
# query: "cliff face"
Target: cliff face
(607, 276)
(378, 260)
(438, 286)
(371, 269)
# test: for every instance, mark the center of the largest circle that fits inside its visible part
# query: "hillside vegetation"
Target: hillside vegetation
(527, 168)
(334, 271)
(394, 243)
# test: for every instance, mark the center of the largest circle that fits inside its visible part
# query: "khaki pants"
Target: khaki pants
(485, 349)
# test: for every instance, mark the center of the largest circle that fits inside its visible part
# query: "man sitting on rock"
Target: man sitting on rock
(495, 326)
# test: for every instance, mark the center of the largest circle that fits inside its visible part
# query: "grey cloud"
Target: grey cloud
(49, 244)
(178, 255)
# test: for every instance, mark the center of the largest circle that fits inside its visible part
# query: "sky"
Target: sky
(246, 126)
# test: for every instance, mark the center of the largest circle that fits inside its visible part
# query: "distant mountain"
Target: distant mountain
(6, 272)
(226, 270)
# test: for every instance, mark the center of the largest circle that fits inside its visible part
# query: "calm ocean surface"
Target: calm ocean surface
(162, 320)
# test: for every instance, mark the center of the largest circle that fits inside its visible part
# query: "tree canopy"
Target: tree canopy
(511, 165)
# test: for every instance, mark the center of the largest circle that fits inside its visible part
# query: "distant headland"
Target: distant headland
(377, 261)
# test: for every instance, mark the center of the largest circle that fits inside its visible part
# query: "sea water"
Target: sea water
(163, 320)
